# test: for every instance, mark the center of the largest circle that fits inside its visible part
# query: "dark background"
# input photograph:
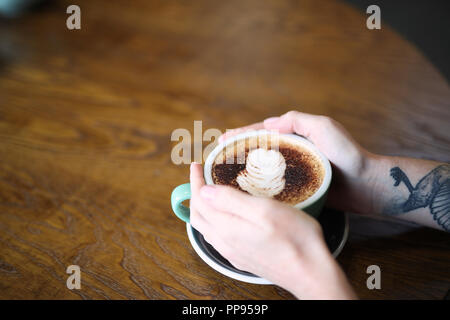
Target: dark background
(425, 23)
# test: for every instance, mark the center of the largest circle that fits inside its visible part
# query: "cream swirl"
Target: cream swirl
(263, 174)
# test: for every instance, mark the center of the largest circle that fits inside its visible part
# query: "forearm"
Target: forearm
(410, 189)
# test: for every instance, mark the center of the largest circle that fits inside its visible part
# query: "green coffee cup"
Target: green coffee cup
(312, 205)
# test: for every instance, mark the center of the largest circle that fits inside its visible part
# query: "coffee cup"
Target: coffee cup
(304, 183)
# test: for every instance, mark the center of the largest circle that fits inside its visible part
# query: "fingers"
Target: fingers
(295, 122)
(291, 122)
(235, 202)
(232, 212)
(210, 232)
(197, 181)
(204, 216)
(231, 133)
(198, 222)
(196, 177)
(218, 210)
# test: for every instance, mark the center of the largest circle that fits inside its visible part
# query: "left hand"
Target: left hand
(268, 238)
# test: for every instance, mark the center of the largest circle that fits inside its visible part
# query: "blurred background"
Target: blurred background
(86, 118)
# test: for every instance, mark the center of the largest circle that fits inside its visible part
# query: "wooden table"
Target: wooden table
(86, 118)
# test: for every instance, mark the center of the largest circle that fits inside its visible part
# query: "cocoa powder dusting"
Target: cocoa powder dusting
(303, 175)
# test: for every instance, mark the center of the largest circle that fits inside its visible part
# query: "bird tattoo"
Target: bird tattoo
(432, 191)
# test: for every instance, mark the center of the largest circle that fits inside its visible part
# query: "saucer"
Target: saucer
(334, 225)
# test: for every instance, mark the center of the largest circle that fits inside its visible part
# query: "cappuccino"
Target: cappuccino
(270, 165)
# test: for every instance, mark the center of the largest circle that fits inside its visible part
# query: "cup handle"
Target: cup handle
(180, 194)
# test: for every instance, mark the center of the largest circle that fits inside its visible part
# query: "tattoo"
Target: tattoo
(432, 191)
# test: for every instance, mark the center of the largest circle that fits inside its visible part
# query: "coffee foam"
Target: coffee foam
(263, 174)
(303, 175)
(236, 152)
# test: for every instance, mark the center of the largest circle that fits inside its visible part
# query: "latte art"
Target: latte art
(275, 166)
(263, 174)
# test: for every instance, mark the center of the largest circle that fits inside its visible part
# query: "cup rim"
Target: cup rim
(303, 142)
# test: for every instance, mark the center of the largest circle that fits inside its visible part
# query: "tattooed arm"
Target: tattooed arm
(411, 189)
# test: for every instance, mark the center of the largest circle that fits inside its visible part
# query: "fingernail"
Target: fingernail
(270, 120)
(208, 192)
(193, 163)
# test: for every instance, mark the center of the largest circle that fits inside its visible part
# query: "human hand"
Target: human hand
(352, 180)
(268, 238)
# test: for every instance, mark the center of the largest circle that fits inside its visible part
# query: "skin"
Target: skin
(285, 245)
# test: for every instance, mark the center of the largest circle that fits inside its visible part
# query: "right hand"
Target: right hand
(350, 189)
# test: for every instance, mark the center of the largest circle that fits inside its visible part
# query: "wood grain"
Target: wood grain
(86, 118)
